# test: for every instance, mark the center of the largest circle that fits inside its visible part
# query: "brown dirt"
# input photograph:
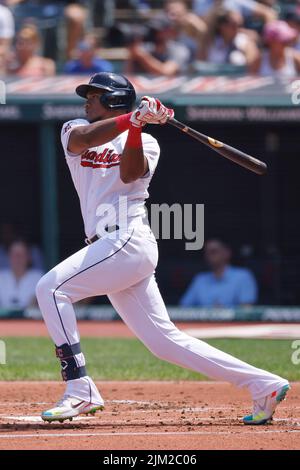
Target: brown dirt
(161, 415)
(112, 329)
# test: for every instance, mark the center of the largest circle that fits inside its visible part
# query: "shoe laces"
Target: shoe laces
(260, 405)
(63, 399)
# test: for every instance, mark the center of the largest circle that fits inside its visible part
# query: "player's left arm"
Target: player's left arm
(134, 163)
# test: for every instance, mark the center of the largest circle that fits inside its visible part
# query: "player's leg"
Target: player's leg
(108, 265)
(143, 310)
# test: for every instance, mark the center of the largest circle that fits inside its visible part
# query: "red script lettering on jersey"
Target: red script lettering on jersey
(105, 159)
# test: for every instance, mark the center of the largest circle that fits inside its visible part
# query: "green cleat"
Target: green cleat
(264, 409)
(69, 407)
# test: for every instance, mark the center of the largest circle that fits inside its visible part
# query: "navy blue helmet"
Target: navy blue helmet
(120, 93)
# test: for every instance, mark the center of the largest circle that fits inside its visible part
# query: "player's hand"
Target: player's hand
(159, 113)
(137, 118)
(150, 111)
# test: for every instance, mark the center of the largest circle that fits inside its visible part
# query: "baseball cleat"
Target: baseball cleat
(264, 408)
(69, 407)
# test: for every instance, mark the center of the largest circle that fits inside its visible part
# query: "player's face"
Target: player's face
(95, 111)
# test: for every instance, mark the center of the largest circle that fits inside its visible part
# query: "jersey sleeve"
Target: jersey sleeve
(151, 152)
(66, 131)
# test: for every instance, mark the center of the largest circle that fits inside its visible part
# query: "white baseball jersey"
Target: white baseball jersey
(96, 177)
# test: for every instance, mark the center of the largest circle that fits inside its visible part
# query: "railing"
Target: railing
(258, 313)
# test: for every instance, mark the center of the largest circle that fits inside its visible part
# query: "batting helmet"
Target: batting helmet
(120, 93)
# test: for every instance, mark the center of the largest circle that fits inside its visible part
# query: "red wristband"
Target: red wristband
(123, 122)
(134, 138)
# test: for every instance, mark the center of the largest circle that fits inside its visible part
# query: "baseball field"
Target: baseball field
(150, 404)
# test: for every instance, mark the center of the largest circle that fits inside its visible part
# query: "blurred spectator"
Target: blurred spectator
(74, 12)
(87, 61)
(140, 5)
(7, 31)
(160, 54)
(8, 234)
(230, 45)
(246, 8)
(76, 16)
(25, 61)
(292, 17)
(225, 285)
(279, 59)
(17, 284)
(187, 27)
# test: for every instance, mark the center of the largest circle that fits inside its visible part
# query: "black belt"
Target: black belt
(108, 229)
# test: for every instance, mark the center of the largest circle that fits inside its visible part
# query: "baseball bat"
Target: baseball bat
(231, 153)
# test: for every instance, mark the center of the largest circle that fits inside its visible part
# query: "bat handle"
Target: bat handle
(177, 124)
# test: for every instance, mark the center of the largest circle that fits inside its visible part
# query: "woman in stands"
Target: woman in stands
(26, 61)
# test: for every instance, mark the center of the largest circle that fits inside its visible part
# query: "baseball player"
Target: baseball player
(112, 160)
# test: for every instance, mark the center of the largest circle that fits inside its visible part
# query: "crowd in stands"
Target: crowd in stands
(42, 38)
(21, 267)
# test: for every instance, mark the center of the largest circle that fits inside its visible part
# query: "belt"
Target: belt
(108, 229)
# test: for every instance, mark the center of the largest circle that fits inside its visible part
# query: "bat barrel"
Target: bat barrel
(231, 153)
(243, 159)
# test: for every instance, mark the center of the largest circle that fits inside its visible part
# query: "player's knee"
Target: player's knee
(44, 286)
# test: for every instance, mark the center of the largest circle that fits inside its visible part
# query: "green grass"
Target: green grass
(128, 359)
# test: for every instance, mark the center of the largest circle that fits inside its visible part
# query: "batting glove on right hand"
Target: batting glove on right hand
(150, 111)
(160, 114)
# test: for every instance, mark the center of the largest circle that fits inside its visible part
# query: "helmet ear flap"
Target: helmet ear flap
(113, 99)
(108, 100)
(103, 100)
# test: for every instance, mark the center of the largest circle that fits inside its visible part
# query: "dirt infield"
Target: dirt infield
(140, 415)
(146, 415)
(103, 329)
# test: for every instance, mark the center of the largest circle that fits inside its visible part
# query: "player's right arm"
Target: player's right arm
(81, 136)
(98, 133)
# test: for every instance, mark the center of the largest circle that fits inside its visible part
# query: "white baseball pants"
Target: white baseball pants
(121, 265)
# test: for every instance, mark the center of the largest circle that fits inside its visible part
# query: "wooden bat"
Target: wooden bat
(233, 154)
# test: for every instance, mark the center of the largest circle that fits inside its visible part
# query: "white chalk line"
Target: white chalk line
(150, 403)
(128, 434)
(161, 421)
(38, 419)
(118, 402)
(24, 403)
